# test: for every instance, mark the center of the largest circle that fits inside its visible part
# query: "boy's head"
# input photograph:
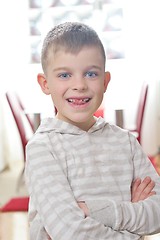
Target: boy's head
(73, 61)
(71, 37)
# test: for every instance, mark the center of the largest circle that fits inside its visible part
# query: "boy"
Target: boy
(80, 169)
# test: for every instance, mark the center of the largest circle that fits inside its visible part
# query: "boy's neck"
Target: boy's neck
(85, 126)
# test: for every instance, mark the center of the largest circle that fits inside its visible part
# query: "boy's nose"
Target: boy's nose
(79, 83)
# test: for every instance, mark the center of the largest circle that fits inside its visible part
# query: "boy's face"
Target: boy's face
(76, 83)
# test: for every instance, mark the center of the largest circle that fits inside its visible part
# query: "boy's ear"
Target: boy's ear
(106, 80)
(43, 83)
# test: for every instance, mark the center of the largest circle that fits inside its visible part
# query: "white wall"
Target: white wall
(14, 56)
(13, 43)
(142, 48)
(142, 51)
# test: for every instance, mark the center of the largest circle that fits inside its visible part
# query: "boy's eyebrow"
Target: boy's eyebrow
(60, 69)
(67, 68)
(94, 66)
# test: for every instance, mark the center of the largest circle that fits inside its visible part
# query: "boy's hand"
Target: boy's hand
(141, 190)
(84, 207)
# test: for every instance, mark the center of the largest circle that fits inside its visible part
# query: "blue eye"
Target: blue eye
(91, 74)
(64, 75)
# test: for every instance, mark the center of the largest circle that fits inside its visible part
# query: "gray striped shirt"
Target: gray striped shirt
(66, 164)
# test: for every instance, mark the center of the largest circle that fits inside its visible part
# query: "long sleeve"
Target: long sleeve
(55, 203)
(143, 217)
(65, 164)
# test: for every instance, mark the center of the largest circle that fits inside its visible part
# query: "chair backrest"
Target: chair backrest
(23, 109)
(141, 109)
(23, 126)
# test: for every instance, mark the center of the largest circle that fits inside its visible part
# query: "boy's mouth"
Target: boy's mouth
(78, 101)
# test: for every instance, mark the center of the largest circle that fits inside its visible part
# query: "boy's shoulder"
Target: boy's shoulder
(121, 134)
(41, 133)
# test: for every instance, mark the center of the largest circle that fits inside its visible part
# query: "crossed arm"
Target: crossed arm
(140, 190)
(62, 200)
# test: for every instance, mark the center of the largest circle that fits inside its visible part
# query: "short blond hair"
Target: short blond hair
(72, 36)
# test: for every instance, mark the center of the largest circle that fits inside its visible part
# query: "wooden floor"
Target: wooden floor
(153, 237)
(14, 226)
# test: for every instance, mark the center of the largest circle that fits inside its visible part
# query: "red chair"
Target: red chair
(23, 109)
(137, 131)
(24, 128)
(16, 204)
(99, 112)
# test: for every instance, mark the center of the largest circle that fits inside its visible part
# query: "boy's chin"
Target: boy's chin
(77, 118)
(81, 118)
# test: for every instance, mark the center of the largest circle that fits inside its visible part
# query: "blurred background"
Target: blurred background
(129, 30)
(130, 33)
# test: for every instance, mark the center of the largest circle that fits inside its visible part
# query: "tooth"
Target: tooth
(85, 100)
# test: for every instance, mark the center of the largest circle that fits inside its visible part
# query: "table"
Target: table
(119, 117)
(36, 120)
(153, 237)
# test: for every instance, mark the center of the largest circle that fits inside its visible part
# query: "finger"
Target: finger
(134, 188)
(141, 191)
(84, 208)
(144, 184)
(81, 204)
(147, 190)
(143, 197)
(144, 190)
(152, 193)
(136, 184)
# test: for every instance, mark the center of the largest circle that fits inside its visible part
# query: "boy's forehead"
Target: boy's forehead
(53, 51)
(89, 55)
